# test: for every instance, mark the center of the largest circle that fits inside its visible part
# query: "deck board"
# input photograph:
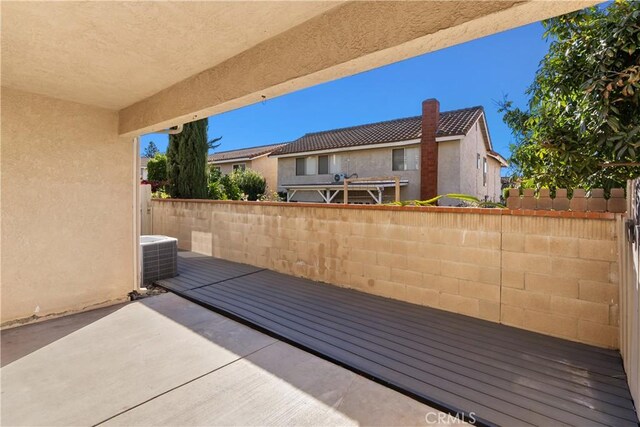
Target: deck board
(504, 375)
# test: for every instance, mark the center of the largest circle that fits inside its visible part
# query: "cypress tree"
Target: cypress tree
(187, 161)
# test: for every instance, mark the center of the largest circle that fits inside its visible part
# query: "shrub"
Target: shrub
(214, 174)
(271, 196)
(505, 193)
(160, 194)
(157, 168)
(217, 191)
(231, 188)
(251, 183)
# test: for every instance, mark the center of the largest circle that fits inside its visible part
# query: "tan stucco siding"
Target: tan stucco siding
(449, 173)
(366, 163)
(471, 173)
(268, 167)
(67, 206)
(494, 182)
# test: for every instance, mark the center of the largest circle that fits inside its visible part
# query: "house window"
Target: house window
(239, 167)
(478, 161)
(300, 163)
(323, 165)
(405, 159)
(485, 171)
(306, 166)
(329, 164)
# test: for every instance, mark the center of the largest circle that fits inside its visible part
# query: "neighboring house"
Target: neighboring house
(435, 153)
(256, 158)
(143, 168)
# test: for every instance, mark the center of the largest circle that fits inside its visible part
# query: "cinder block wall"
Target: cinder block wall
(560, 277)
(551, 275)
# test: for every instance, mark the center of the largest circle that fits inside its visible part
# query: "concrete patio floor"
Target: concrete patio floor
(166, 361)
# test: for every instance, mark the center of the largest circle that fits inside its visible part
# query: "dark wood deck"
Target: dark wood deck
(503, 375)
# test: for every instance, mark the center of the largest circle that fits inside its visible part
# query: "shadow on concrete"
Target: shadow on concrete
(164, 360)
(20, 341)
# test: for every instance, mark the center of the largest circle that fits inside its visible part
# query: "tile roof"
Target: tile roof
(243, 153)
(456, 122)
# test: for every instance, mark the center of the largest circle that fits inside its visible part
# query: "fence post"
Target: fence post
(397, 179)
(346, 191)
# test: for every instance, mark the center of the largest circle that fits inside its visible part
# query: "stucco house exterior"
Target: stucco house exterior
(256, 158)
(143, 168)
(434, 153)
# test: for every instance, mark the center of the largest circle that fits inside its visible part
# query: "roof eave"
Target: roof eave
(368, 146)
(499, 158)
(236, 160)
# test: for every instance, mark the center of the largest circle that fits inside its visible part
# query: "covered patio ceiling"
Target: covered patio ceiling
(164, 63)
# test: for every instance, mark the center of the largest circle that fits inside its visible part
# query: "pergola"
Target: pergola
(373, 186)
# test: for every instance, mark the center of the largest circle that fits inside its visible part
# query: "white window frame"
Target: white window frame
(485, 171)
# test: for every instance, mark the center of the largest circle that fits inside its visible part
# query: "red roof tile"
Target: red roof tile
(457, 122)
(243, 153)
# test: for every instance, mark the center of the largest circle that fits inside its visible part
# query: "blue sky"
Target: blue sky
(479, 72)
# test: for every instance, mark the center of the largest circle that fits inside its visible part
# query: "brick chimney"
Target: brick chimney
(429, 149)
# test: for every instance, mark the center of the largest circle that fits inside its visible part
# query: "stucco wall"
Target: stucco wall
(366, 163)
(449, 170)
(556, 276)
(227, 168)
(67, 206)
(268, 167)
(348, 39)
(470, 174)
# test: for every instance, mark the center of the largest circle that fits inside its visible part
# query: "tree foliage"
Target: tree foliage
(151, 150)
(217, 191)
(187, 170)
(157, 168)
(251, 183)
(245, 184)
(584, 108)
(230, 185)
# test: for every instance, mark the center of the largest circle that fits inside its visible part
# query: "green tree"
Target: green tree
(251, 183)
(187, 170)
(231, 189)
(151, 150)
(157, 168)
(584, 109)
